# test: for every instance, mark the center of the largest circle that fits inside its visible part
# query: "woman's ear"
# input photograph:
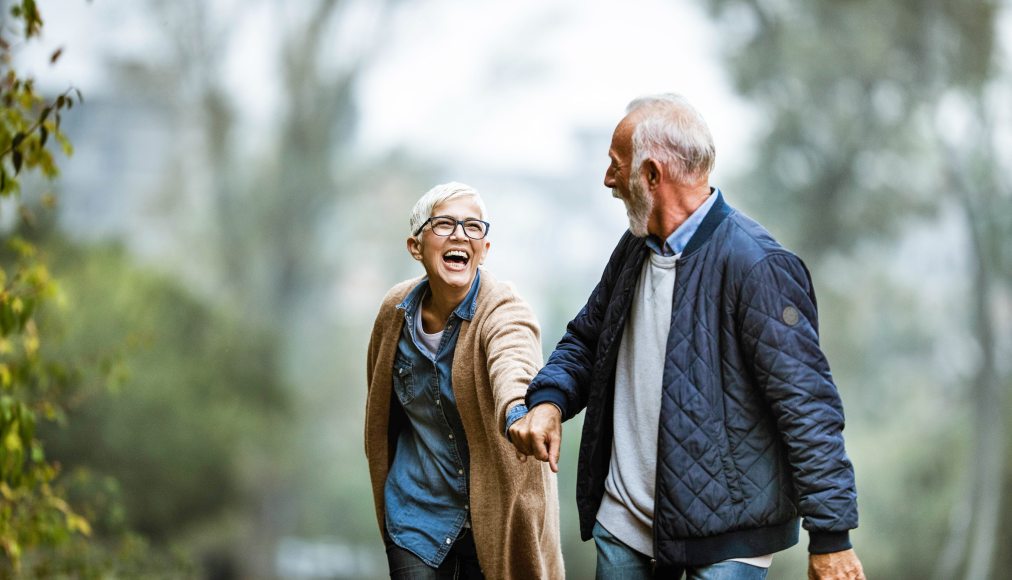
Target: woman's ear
(415, 248)
(484, 253)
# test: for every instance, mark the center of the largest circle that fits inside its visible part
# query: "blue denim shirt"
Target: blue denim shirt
(426, 491)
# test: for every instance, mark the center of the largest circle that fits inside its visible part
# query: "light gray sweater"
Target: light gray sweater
(627, 509)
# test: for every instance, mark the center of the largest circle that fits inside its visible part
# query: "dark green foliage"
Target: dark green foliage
(175, 409)
(192, 390)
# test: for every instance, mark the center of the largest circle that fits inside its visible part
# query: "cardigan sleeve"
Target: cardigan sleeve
(512, 343)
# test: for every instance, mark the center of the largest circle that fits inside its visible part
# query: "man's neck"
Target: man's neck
(673, 205)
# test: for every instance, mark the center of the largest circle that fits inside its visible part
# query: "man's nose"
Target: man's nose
(453, 234)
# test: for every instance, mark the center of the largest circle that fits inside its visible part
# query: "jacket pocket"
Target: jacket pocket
(732, 479)
(730, 471)
(404, 381)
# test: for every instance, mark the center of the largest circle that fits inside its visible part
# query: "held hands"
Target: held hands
(835, 566)
(539, 433)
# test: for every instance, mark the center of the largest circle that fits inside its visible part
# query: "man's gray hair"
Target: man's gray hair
(671, 131)
(437, 195)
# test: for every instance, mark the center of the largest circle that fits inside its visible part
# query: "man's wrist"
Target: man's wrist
(548, 395)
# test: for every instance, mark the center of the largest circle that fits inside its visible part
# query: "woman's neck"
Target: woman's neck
(437, 305)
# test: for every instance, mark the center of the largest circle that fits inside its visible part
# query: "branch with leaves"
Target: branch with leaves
(26, 124)
(33, 510)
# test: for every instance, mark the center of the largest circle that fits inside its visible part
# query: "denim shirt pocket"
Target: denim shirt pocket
(404, 382)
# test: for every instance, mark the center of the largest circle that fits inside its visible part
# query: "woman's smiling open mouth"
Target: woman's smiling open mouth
(456, 259)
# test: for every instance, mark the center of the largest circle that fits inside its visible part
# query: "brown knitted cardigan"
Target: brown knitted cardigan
(514, 505)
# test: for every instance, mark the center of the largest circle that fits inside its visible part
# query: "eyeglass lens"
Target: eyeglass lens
(474, 229)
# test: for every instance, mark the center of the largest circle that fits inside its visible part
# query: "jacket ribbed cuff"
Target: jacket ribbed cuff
(548, 395)
(828, 542)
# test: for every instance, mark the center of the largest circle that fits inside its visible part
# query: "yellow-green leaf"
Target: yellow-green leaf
(12, 442)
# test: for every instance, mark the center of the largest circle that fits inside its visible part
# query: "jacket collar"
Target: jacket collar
(714, 217)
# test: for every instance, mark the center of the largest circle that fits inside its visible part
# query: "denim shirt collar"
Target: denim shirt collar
(464, 311)
(679, 238)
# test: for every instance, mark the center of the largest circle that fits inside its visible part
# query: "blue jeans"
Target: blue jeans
(461, 562)
(616, 561)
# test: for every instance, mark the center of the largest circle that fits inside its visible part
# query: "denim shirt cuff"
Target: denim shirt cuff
(514, 415)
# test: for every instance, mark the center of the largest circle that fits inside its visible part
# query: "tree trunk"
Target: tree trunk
(977, 519)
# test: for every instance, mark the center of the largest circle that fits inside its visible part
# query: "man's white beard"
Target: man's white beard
(637, 207)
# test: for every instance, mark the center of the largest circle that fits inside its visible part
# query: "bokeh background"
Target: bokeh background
(237, 203)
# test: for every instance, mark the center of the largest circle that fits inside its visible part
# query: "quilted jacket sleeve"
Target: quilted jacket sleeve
(779, 339)
(565, 379)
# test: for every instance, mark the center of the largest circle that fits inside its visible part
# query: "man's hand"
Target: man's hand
(835, 566)
(539, 433)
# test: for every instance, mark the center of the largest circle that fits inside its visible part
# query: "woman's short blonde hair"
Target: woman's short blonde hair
(437, 195)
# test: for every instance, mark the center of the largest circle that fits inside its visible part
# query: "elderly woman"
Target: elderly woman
(449, 362)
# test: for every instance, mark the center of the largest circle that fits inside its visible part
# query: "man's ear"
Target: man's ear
(653, 172)
(415, 248)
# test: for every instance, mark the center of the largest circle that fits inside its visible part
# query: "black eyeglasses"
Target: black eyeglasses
(444, 225)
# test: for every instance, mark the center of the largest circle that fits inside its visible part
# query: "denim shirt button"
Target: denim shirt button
(460, 472)
(448, 541)
(451, 435)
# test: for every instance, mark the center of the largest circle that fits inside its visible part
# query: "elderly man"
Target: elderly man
(712, 419)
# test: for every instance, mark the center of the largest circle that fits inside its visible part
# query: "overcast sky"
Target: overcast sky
(518, 77)
(499, 84)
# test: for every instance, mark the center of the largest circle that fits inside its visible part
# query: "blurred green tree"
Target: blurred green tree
(149, 411)
(277, 215)
(881, 122)
(193, 412)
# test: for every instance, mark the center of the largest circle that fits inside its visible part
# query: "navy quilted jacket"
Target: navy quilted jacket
(750, 434)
